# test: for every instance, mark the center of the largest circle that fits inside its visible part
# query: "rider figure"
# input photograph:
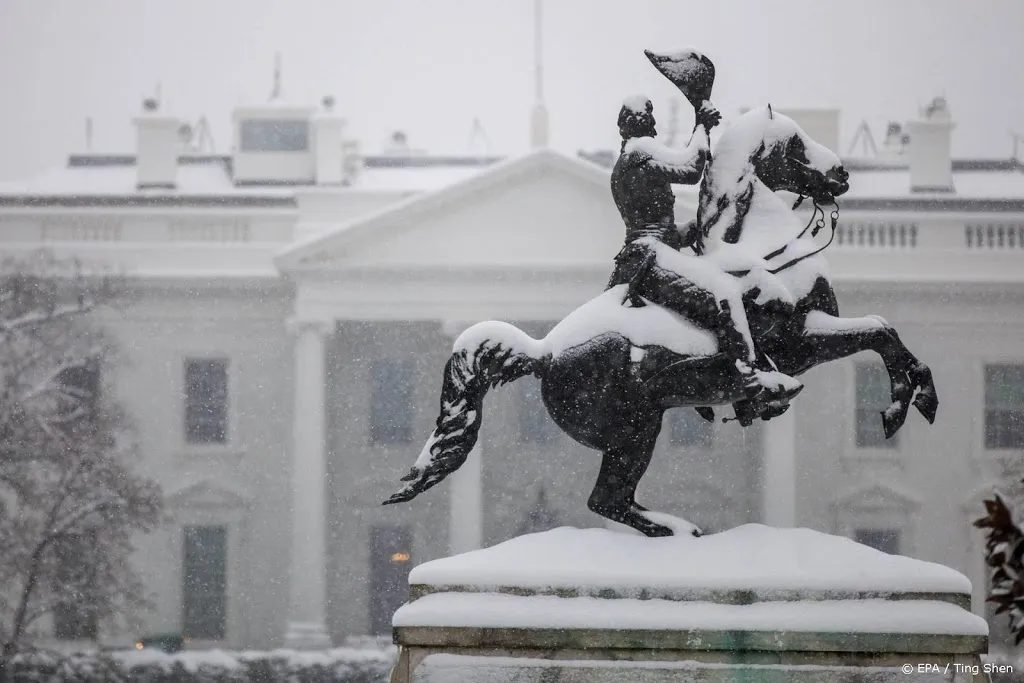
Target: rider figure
(642, 188)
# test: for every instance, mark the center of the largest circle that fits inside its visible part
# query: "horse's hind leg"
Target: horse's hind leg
(907, 375)
(622, 466)
(826, 338)
(927, 399)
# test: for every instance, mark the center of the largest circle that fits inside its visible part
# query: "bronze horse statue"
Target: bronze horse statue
(610, 370)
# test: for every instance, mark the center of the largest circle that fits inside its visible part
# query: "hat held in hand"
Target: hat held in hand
(689, 70)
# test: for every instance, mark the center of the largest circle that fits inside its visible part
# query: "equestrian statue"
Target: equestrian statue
(725, 310)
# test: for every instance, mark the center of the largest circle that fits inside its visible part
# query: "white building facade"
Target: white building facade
(297, 302)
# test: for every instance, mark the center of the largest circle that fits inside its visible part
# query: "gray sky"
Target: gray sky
(428, 67)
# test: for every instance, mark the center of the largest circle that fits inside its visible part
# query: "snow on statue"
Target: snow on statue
(729, 323)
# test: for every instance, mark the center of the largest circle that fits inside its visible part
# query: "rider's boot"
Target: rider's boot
(765, 386)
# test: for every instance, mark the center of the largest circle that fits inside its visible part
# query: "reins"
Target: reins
(818, 220)
(818, 214)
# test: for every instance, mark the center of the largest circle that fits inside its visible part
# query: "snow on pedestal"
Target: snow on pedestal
(752, 577)
(748, 596)
(753, 557)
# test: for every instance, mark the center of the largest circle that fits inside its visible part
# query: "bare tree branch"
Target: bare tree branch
(70, 501)
(78, 514)
(39, 317)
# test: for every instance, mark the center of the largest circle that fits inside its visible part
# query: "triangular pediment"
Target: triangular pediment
(544, 209)
(207, 494)
(877, 496)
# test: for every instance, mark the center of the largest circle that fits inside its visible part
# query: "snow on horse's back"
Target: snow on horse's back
(648, 325)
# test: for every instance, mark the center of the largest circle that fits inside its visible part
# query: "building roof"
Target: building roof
(111, 180)
(985, 183)
(978, 184)
(206, 180)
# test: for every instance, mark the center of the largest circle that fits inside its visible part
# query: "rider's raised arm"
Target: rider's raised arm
(684, 166)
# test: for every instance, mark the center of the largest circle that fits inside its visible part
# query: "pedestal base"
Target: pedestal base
(306, 636)
(625, 667)
(753, 603)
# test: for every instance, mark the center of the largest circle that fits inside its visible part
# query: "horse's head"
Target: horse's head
(786, 158)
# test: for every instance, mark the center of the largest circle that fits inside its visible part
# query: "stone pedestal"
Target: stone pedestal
(751, 604)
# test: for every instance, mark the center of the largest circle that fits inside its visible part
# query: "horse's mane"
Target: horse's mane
(749, 134)
(727, 189)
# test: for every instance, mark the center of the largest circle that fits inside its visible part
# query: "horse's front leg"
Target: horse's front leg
(826, 338)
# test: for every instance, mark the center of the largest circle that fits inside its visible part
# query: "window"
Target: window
(886, 540)
(206, 400)
(263, 135)
(535, 426)
(391, 409)
(72, 621)
(688, 429)
(390, 562)
(1004, 406)
(80, 387)
(76, 583)
(873, 396)
(204, 583)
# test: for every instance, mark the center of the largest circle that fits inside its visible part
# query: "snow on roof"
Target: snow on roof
(412, 179)
(890, 179)
(98, 176)
(210, 176)
(119, 180)
(967, 184)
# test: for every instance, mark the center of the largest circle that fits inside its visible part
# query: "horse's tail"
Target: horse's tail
(484, 356)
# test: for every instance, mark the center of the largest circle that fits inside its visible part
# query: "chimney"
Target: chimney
(156, 154)
(328, 145)
(929, 149)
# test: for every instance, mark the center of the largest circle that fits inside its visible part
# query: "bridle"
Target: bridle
(818, 218)
(818, 221)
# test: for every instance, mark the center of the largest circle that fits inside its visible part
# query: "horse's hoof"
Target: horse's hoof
(893, 418)
(659, 521)
(927, 405)
(774, 409)
(926, 401)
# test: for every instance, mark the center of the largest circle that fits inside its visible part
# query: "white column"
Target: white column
(306, 624)
(779, 486)
(465, 493)
(465, 517)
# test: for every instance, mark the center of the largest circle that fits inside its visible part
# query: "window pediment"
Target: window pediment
(207, 494)
(877, 496)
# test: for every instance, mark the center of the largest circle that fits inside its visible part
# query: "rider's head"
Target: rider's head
(636, 118)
